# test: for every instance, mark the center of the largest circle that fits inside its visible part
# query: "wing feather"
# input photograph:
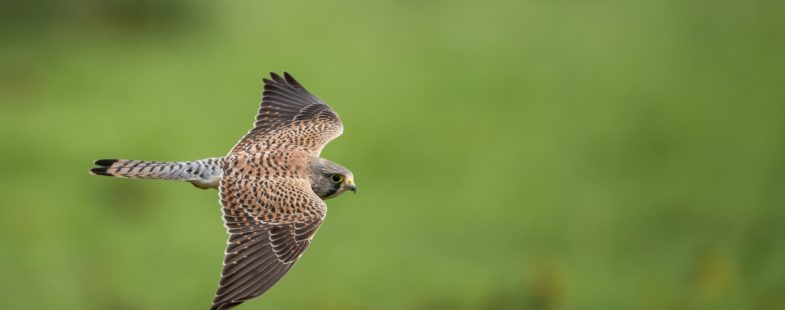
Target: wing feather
(290, 115)
(267, 234)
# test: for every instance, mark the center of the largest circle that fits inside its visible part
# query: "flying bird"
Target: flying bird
(272, 186)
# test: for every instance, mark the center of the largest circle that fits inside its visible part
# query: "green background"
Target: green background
(509, 154)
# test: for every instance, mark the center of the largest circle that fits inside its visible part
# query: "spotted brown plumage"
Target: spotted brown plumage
(272, 187)
(290, 118)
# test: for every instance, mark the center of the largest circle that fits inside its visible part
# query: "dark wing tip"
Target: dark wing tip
(100, 171)
(290, 79)
(105, 162)
(276, 77)
(287, 79)
(225, 305)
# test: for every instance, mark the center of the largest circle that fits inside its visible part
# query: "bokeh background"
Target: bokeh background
(509, 154)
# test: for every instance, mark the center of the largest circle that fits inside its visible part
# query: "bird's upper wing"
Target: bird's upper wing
(290, 115)
(270, 223)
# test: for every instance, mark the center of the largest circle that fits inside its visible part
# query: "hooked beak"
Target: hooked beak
(351, 186)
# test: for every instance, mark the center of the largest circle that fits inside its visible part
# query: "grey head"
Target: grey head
(329, 179)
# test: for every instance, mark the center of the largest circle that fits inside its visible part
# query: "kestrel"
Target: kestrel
(272, 187)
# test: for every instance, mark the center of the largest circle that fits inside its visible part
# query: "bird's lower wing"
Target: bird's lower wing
(259, 251)
(256, 259)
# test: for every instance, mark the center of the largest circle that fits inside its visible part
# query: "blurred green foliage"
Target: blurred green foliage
(509, 154)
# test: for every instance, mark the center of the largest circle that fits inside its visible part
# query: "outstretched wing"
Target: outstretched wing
(290, 115)
(270, 223)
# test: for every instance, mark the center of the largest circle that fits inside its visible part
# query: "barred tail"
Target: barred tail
(203, 173)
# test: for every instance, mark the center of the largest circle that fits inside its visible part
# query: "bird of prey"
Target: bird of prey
(272, 187)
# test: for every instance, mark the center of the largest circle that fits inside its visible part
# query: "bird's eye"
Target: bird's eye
(336, 178)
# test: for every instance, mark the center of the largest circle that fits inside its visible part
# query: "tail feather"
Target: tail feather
(202, 173)
(104, 166)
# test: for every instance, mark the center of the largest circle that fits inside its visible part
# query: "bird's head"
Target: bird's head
(329, 179)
